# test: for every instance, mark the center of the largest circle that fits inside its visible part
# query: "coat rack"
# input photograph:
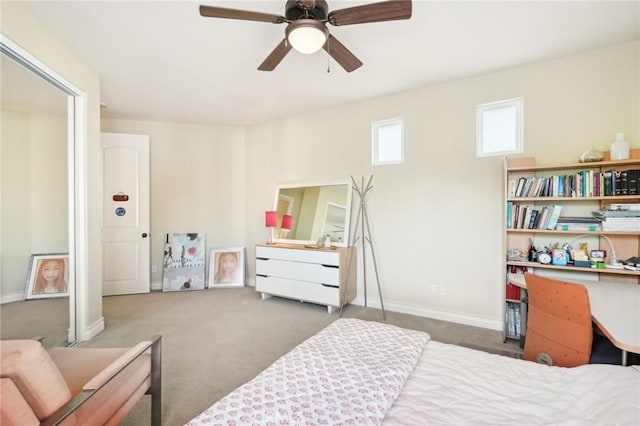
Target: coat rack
(365, 237)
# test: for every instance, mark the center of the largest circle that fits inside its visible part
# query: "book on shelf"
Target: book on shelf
(543, 216)
(621, 224)
(634, 177)
(578, 223)
(554, 216)
(623, 206)
(608, 214)
(512, 319)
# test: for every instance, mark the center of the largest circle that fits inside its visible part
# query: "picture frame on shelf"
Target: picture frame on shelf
(559, 257)
(227, 267)
(47, 276)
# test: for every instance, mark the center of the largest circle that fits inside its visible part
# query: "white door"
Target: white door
(125, 214)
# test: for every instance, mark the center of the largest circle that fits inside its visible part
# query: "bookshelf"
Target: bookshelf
(579, 189)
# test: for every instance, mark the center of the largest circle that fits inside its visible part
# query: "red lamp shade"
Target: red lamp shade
(286, 222)
(270, 219)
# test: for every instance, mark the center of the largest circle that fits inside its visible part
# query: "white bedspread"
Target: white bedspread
(453, 385)
(347, 374)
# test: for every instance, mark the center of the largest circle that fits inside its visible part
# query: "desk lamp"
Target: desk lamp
(270, 219)
(614, 262)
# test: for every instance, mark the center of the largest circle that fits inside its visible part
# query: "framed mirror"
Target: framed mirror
(317, 210)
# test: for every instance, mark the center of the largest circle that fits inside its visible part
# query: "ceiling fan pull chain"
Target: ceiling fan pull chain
(328, 56)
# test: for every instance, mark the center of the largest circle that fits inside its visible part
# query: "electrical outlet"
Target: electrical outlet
(443, 290)
(154, 268)
(434, 288)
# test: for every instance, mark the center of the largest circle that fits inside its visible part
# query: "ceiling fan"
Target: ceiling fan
(306, 26)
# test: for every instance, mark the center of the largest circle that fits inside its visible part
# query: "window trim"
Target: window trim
(518, 103)
(375, 128)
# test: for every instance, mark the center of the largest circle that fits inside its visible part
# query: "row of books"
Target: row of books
(530, 217)
(621, 224)
(512, 319)
(586, 183)
(619, 217)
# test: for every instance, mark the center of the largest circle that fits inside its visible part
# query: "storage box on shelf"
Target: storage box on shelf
(322, 276)
(573, 191)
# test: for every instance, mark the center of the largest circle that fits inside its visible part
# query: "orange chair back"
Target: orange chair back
(559, 321)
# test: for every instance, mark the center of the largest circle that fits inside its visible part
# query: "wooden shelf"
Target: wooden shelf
(576, 232)
(574, 268)
(626, 243)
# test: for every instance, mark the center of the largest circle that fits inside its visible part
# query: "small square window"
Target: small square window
(499, 128)
(387, 142)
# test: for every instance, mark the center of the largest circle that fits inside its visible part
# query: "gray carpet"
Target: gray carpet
(36, 318)
(215, 340)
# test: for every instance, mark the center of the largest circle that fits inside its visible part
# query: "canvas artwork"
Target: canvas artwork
(184, 262)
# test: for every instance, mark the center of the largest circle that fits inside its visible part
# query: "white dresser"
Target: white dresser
(322, 276)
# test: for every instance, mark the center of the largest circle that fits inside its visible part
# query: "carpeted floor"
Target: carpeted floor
(36, 318)
(215, 340)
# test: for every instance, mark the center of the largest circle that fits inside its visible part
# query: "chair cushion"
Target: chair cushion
(87, 369)
(558, 322)
(79, 365)
(14, 410)
(35, 375)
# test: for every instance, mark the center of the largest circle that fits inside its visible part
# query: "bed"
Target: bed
(357, 372)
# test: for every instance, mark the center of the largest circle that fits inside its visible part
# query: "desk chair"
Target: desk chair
(76, 386)
(559, 327)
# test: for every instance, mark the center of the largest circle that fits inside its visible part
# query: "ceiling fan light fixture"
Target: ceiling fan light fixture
(307, 35)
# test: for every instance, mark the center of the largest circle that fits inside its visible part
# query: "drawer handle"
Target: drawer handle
(263, 276)
(329, 266)
(329, 285)
(262, 258)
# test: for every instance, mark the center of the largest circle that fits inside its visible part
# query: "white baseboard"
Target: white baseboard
(11, 297)
(439, 314)
(156, 285)
(92, 331)
(251, 282)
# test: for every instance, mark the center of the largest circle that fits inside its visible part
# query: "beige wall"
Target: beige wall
(34, 194)
(197, 182)
(18, 24)
(15, 196)
(437, 219)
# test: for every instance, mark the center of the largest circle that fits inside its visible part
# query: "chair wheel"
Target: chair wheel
(544, 358)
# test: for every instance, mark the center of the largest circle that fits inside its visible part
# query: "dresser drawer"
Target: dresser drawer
(317, 293)
(275, 267)
(274, 253)
(316, 256)
(316, 273)
(275, 285)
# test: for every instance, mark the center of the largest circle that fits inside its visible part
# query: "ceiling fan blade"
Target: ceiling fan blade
(377, 12)
(220, 12)
(275, 56)
(341, 54)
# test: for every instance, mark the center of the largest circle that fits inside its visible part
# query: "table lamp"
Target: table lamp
(287, 220)
(270, 219)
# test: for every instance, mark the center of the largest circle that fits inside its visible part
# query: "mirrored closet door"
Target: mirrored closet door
(36, 191)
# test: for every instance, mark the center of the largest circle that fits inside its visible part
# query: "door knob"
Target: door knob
(144, 235)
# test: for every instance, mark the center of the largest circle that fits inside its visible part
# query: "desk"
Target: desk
(615, 308)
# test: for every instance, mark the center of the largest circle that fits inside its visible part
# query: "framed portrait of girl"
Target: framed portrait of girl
(47, 276)
(226, 267)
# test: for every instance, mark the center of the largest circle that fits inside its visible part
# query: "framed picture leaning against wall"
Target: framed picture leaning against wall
(47, 276)
(226, 267)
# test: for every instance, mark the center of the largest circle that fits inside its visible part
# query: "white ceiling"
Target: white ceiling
(162, 61)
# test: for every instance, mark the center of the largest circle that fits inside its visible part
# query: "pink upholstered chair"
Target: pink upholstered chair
(77, 386)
